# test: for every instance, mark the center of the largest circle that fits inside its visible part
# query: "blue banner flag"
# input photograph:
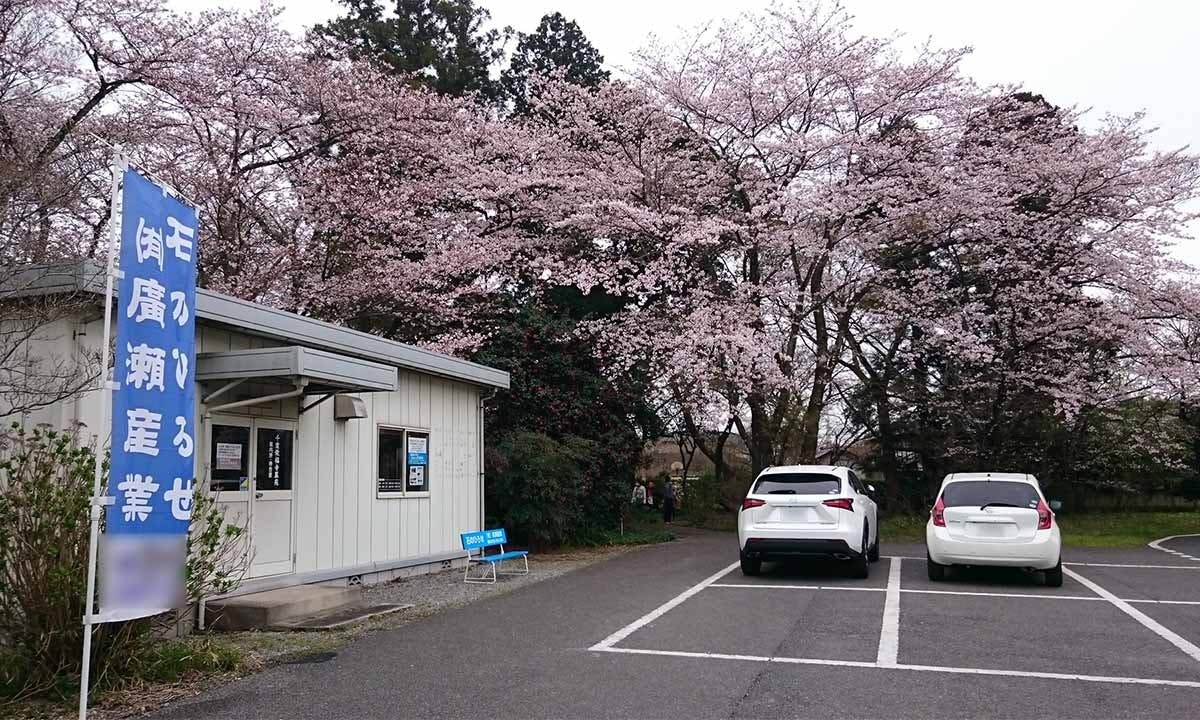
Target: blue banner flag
(152, 472)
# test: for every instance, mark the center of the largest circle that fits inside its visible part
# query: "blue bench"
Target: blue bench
(481, 541)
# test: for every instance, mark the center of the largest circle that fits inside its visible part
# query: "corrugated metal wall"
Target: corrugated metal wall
(342, 523)
(337, 519)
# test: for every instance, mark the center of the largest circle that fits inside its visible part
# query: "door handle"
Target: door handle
(258, 495)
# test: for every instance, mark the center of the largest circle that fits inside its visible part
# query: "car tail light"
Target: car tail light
(752, 503)
(842, 503)
(1045, 517)
(939, 513)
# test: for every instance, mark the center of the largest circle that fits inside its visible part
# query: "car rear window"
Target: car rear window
(798, 484)
(981, 492)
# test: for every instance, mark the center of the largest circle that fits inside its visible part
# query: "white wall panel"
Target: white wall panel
(339, 521)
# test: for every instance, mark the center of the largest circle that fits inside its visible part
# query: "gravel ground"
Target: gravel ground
(439, 591)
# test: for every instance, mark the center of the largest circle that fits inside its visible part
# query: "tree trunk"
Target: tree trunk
(810, 427)
(761, 440)
(887, 448)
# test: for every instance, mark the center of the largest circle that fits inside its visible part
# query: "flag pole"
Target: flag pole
(106, 388)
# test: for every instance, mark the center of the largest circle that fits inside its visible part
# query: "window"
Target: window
(418, 462)
(855, 483)
(981, 492)
(391, 460)
(403, 465)
(798, 484)
(273, 459)
(229, 459)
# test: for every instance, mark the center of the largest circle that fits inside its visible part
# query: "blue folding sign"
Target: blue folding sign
(153, 420)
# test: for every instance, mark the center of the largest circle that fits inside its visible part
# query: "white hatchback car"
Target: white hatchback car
(993, 519)
(808, 511)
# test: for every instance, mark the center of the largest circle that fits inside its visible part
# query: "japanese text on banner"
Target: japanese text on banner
(152, 472)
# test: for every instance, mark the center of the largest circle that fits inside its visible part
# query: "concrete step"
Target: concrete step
(275, 607)
(340, 617)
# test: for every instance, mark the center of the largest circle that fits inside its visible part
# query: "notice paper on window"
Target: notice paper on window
(416, 476)
(229, 456)
(418, 451)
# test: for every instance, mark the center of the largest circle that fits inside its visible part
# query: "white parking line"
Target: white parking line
(748, 658)
(968, 593)
(763, 586)
(1127, 565)
(1157, 545)
(1114, 565)
(661, 610)
(1150, 623)
(900, 666)
(963, 593)
(889, 631)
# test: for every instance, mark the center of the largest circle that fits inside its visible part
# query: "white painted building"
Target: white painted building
(303, 433)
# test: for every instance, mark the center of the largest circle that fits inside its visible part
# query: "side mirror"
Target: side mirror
(871, 489)
(1056, 505)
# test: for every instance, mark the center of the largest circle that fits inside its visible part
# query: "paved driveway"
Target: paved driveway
(675, 631)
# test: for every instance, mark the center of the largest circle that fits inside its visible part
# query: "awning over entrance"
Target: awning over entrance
(324, 372)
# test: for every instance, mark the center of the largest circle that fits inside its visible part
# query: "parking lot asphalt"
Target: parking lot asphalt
(676, 631)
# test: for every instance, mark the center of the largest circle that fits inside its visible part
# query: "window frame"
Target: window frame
(814, 477)
(404, 492)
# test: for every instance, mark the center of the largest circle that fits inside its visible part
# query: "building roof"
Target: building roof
(325, 371)
(88, 277)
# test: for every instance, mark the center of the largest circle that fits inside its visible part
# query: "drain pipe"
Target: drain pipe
(482, 400)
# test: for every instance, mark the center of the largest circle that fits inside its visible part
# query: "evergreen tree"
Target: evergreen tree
(442, 44)
(558, 45)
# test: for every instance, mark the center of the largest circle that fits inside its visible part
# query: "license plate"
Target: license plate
(990, 530)
(794, 515)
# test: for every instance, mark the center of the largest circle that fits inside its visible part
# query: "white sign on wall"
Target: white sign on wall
(416, 476)
(229, 456)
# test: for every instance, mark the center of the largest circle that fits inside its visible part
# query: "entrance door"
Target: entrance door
(271, 506)
(251, 466)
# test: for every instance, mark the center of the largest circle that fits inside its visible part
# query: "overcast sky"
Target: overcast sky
(1106, 56)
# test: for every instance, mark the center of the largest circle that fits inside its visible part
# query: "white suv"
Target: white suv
(808, 511)
(993, 519)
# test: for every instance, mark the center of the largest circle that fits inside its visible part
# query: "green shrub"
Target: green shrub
(45, 493)
(45, 490)
(701, 499)
(536, 486)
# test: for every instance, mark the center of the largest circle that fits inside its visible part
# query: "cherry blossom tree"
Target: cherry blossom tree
(66, 71)
(811, 189)
(66, 68)
(1034, 300)
(784, 109)
(771, 217)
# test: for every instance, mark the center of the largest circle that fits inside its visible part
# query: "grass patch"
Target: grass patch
(159, 669)
(1125, 529)
(631, 536)
(170, 661)
(722, 522)
(903, 528)
(1088, 530)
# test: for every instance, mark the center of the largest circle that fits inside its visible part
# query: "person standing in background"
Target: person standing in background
(668, 495)
(639, 494)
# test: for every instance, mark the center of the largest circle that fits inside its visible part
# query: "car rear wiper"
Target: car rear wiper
(782, 492)
(985, 506)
